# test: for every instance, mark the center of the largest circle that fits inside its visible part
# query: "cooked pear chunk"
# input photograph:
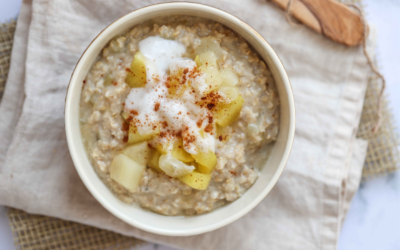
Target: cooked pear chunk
(139, 152)
(204, 169)
(197, 60)
(196, 180)
(125, 115)
(161, 148)
(207, 59)
(229, 77)
(224, 133)
(228, 113)
(136, 77)
(126, 172)
(209, 44)
(207, 159)
(213, 78)
(179, 153)
(174, 167)
(176, 151)
(135, 137)
(154, 160)
(230, 93)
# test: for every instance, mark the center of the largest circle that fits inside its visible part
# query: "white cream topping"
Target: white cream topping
(182, 114)
(173, 167)
(161, 52)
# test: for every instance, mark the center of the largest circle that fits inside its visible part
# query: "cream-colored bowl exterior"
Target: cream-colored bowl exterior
(191, 225)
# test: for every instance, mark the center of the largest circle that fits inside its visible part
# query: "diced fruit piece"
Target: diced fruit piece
(230, 93)
(213, 78)
(179, 153)
(135, 137)
(201, 132)
(174, 167)
(154, 160)
(197, 60)
(228, 113)
(253, 129)
(229, 77)
(126, 171)
(125, 115)
(175, 84)
(136, 77)
(108, 80)
(208, 59)
(139, 152)
(204, 169)
(196, 180)
(161, 148)
(208, 159)
(209, 44)
(224, 133)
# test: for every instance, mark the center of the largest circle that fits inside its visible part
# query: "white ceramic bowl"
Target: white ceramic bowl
(191, 225)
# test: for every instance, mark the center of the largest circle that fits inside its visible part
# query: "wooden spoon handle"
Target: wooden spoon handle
(328, 17)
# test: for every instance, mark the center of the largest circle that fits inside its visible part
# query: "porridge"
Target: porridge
(173, 111)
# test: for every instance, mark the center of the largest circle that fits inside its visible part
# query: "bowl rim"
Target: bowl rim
(203, 229)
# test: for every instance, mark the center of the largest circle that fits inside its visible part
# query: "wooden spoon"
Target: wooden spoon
(328, 17)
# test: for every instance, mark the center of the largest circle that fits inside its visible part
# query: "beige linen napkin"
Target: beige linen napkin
(303, 211)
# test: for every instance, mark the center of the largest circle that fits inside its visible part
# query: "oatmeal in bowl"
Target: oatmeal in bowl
(179, 124)
(173, 110)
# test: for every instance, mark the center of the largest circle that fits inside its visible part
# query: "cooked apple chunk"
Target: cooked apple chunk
(224, 133)
(229, 77)
(179, 153)
(154, 160)
(136, 77)
(174, 167)
(197, 60)
(126, 172)
(196, 180)
(135, 136)
(209, 44)
(207, 159)
(228, 113)
(139, 152)
(125, 115)
(230, 93)
(213, 77)
(207, 59)
(207, 64)
(203, 169)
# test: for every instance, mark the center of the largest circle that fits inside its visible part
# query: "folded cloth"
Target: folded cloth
(303, 211)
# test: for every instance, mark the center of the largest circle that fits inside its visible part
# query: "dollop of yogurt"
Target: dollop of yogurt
(168, 100)
(160, 53)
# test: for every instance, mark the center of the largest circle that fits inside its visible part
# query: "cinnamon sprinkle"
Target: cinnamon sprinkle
(208, 128)
(125, 126)
(177, 84)
(157, 106)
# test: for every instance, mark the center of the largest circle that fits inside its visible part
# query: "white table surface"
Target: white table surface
(373, 221)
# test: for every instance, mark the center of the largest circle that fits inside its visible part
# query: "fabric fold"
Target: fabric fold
(11, 105)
